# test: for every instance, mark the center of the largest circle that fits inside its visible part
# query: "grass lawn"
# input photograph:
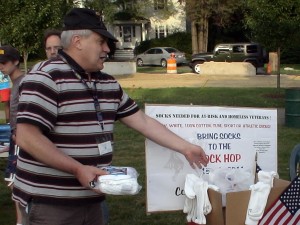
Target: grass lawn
(129, 148)
(290, 69)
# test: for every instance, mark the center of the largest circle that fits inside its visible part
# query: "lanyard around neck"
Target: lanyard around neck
(94, 93)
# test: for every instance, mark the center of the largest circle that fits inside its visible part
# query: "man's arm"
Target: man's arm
(31, 139)
(158, 133)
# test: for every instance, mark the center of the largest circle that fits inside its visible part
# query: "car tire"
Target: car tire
(139, 62)
(197, 67)
(163, 63)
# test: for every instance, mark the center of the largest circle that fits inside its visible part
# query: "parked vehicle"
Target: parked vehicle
(253, 53)
(159, 55)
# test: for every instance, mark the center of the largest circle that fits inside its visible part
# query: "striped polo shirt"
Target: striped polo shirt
(53, 98)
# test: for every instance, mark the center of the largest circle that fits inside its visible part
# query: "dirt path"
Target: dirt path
(143, 80)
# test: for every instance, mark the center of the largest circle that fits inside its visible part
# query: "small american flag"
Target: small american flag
(285, 210)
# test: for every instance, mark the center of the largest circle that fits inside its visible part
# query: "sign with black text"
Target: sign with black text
(230, 136)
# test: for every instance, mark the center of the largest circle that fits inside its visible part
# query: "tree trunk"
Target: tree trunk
(203, 31)
(278, 67)
(25, 58)
(195, 47)
(205, 36)
(199, 28)
(201, 35)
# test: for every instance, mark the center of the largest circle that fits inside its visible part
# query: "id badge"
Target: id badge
(105, 147)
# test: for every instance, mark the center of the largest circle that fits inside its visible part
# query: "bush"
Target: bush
(290, 55)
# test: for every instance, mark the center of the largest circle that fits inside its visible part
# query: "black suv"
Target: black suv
(253, 53)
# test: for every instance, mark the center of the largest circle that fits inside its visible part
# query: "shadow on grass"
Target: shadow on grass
(159, 69)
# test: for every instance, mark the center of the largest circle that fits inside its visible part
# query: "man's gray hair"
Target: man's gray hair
(66, 36)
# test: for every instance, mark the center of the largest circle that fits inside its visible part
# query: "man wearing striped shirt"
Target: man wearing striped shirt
(66, 116)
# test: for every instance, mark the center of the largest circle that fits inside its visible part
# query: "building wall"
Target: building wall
(161, 27)
(158, 25)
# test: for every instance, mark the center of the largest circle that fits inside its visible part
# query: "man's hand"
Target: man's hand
(88, 175)
(4, 149)
(196, 156)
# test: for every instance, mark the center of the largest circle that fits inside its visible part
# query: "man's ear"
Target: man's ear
(16, 62)
(76, 41)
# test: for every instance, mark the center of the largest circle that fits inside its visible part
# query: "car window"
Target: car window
(151, 51)
(251, 48)
(238, 48)
(158, 51)
(223, 50)
(170, 50)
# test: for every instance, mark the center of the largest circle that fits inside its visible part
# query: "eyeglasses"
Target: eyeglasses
(54, 48)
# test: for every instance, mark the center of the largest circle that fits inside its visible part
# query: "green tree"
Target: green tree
(273, 23)
(22, 23)
(129, 9)
(107, 8)
(203, 12)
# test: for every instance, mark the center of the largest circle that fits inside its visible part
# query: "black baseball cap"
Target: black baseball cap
(8, 53)
(82, 18)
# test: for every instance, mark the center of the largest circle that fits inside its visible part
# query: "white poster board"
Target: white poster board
(230, 137)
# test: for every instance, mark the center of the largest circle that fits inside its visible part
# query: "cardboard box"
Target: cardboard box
(237, 205)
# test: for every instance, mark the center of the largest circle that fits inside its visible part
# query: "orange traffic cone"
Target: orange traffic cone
(171, 64)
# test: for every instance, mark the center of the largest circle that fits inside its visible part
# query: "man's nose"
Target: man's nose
(106, 48)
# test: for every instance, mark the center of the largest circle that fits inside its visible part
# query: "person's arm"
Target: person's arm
(6, 110)
(31, 139)
(158, 133)
(4, 149)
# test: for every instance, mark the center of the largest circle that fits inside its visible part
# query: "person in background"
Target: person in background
(5, 94)
(9, 64)
(66, 115)
(52, 43)
(4, 98)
